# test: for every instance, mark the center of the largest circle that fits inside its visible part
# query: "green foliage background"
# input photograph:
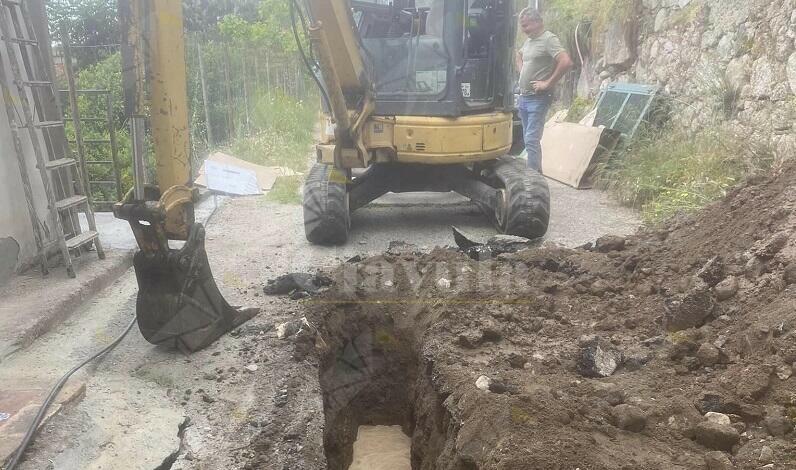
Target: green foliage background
(260, 103)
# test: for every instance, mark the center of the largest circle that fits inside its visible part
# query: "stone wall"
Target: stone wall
(721, 61)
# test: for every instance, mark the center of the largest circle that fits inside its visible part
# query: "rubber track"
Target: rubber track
(326, 217)
(528, 198)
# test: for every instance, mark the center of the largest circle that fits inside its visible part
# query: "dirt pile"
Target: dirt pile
(670, 349)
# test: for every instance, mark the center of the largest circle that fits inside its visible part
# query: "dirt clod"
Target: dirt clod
(708, 355)
(727, 288)
(716, 436)
(790, 274)
(713, 271)
(718, 461)
(777, 424)
(629, 418)
(609, 243)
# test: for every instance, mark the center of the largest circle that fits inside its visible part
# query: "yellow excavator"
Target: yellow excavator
(417, 95)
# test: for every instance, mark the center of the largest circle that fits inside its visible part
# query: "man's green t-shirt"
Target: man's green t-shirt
(538, 60)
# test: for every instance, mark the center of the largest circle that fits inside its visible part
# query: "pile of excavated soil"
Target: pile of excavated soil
(670, 349)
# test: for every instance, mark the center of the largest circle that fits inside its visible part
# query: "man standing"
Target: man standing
(542, 62)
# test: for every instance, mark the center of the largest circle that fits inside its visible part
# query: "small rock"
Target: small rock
(400, 247)
(784, 371)
(727, 288)
(708, 355)
(754, 384)
(288, 329)
(208, 399)
(778, 425)
(713, 271)
(636, 358)
(716, 436)
(597, 358)
(251, 368)
(755, 268)
(470, 339)
(719, 418)
(496, 386)
(299, 295)
(615, 397)
(629, 418)
(483, 382)
(296, 282)
(491, 332)
(690, 310)
(517, 361)
(790, 274)
(769, 247)
(443, 283)
(718, 461)
(609, 243)
(209, 376)
(500, 244)
(599, 288)
(766, 455)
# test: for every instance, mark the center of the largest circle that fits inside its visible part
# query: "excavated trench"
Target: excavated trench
(372, 375)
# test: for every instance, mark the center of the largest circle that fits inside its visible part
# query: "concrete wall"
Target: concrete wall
(17, 242)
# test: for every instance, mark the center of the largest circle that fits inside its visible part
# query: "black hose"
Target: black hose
(54, 393)
(293, 7)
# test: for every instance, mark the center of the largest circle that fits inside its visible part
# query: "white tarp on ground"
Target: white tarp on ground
(266, 175)
(231, 179)
(570, 151)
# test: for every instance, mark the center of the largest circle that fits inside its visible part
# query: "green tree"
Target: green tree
(271, 28)
(93, 25)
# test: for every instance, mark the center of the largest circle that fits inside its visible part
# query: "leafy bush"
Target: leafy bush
(670, 171)
(104, 75)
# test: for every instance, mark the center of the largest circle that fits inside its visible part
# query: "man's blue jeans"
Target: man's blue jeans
(533, 111)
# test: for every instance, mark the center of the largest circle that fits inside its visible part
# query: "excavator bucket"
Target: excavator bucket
(178, 303)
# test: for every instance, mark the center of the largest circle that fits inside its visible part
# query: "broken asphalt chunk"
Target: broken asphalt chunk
(290, 284)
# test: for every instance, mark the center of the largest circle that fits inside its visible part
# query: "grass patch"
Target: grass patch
(286, 190)
(579, 108)
(670, 171)
(282, 132)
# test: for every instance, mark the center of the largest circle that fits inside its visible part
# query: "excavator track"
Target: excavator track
(326, 212)
(525, 211)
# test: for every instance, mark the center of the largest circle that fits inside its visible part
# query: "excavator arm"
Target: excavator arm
(344, 74)
(178, 302)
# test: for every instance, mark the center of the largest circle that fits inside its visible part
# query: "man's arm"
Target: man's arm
(563, 65)
(518, 60)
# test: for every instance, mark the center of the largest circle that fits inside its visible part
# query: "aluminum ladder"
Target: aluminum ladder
(19, 37)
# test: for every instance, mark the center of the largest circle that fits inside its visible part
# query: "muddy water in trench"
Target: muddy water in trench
(381, 448)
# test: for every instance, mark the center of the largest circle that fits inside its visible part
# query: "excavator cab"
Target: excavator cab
(420, 65)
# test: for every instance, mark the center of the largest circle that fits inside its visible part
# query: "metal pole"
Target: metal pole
(210, 141)
(117, 174)
(137, 124)
(75, 111)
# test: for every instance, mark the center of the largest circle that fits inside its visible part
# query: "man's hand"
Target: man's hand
(543, 85)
